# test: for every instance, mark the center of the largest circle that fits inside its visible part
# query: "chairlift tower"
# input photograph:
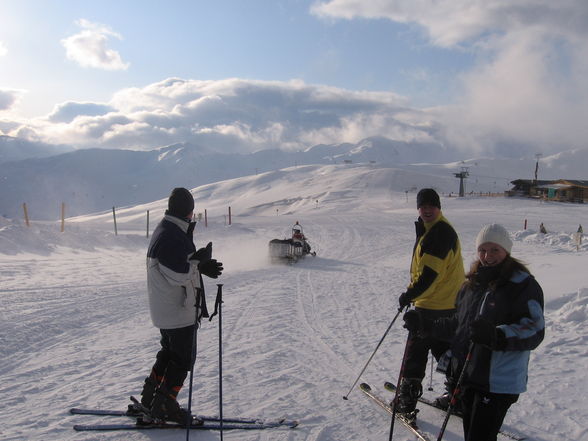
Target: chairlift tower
(463, 174)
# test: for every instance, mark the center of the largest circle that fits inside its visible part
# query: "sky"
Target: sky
(482, 76)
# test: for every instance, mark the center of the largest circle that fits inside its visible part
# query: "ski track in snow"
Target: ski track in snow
(75, 330)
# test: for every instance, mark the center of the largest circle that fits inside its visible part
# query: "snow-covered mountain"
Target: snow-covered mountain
(16, 149)
(97, 179)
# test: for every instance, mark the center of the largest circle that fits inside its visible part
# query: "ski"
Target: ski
(410, 425)
(205, 426)
(392, 388)
(239, 420)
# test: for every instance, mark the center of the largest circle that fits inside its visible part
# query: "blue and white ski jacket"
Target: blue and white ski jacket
(172, 277)
(516, 308)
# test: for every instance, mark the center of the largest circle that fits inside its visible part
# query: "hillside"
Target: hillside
(93, 180)
(16, 149)
(76, 332)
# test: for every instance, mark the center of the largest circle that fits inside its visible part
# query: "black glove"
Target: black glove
(404, 300)
(485, 333)
(203, 253)
(412, 321)
(211, 268)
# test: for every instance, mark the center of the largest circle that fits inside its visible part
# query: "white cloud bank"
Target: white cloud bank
(229, 115)
(526, 94)
(89, 47)
(452, 22)
(68, 111)
(8, 98)
(529, 84)
(3, 49)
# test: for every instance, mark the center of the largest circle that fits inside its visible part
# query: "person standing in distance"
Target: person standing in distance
(436, 275)
(174, 269)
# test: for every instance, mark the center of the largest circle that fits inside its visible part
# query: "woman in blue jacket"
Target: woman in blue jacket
(499, 318)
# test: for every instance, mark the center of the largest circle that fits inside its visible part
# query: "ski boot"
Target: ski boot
(443, 401)
(165, 408)
(409, 417)
(143, 407)
(136, 409)
(408, 395)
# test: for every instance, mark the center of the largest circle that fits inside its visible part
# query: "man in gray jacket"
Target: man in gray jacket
(174, 269)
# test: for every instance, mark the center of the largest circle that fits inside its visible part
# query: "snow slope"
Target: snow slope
(75, 328)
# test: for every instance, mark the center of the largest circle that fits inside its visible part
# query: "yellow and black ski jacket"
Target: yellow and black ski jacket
(436, 271)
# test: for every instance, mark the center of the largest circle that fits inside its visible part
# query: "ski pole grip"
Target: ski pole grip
(219, 293)
(218, 301)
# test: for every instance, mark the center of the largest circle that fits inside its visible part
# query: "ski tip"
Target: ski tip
(286, 422)
(365, 386)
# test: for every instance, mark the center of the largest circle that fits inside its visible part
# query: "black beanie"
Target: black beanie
(428, 196)
(180, 202)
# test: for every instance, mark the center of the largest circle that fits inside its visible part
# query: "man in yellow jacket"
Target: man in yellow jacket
(436, 275)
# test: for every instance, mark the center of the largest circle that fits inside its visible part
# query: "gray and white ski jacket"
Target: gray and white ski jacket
(172, 278)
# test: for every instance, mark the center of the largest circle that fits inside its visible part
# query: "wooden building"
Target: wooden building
(563, 190)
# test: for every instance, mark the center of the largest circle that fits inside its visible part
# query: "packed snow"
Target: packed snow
(75, 328)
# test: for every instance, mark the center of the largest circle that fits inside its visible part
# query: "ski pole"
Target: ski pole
(199, 293)
(456, 392)
(218, 310)
(345, 397)
(400, 375)
(431, 374)
(218, 303)
(456, 389)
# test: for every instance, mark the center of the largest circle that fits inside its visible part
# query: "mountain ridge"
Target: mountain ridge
(92, 180)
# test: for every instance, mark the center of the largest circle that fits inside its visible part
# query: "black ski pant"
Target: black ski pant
(418, 347)
(174, 359)
(483, 413)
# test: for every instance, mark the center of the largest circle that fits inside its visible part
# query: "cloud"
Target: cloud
(68, 111)
(451, 22)
(236, 115)
(228, 115)
(533, 91)
(527, 85)
(89, 47)
(9, 97)
(527, 94)
(3, 49)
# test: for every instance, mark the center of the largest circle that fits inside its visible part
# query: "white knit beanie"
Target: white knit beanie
(494, 233)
